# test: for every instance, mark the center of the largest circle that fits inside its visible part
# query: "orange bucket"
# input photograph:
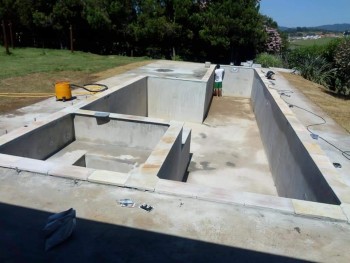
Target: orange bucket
(63, 91)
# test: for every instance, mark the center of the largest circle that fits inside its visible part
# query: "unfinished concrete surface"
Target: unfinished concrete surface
(253, 172)
(227, 149)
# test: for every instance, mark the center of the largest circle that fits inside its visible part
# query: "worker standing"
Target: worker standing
(219, 77)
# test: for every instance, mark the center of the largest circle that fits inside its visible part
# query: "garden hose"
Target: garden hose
(90, 88)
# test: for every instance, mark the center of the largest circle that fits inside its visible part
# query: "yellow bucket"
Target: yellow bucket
(63, 91)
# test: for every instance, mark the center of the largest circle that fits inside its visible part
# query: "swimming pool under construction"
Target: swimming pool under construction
(160, 130)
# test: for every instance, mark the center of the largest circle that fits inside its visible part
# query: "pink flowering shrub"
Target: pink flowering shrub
(274, 40)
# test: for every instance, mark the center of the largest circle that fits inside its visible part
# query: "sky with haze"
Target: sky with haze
(308, 13)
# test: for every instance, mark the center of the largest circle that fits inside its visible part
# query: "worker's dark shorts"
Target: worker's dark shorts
(217, 85)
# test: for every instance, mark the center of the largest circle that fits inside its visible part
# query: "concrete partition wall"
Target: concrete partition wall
(209, 91)
(42, 142)
(130, 99)
(178, 99)
(238, 81)
(122, 132)
(295, 173)
(170, 157)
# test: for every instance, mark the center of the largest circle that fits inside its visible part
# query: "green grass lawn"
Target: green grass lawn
(310, 42)
(30, 70)
(24, 61)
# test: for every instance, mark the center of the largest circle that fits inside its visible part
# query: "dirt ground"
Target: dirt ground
(337, 108)
(45, 83)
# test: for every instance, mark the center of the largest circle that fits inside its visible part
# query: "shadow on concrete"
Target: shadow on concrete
(22, 240)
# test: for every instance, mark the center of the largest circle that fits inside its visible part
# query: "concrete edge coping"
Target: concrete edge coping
(223, 196)
(44, 167)
(108, 177)
(25, 164)
(69, 157)
(124, 117)
(8, 161)
(71, 172)
(118, 86)
(346, 210)
(186, 134)
(177, 78)
(285, 205)
(209, 72)
(319, 210)
(142, 180)
(52, 117)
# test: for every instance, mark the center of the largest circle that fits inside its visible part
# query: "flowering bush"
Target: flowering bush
(274, 40)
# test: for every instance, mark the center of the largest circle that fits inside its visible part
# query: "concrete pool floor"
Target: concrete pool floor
(180, 228)
(227, 149)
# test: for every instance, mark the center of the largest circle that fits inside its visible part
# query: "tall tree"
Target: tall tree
(6, 14)
(234, 26)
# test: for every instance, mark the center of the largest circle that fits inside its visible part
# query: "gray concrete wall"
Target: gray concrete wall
(209, 92)
(295, 173)
(185, 151)
(171, 167)
(43, 141)
(176, 99)
(238, 81)
(128, 133)
(131, 100)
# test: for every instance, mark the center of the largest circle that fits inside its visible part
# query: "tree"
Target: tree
(153, 29)
(234, 26)
(6, 15)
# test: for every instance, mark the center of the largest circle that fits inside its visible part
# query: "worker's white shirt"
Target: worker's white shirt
(219, 74)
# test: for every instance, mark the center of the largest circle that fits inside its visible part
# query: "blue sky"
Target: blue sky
(293, 13)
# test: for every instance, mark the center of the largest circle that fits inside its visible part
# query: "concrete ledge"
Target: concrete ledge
(319, 210)
(144, 178)
(177, 188)
(346, 210)
(8, 161)
(224, 196)
(108, 177)
(71, 172)
(69, 157)
(32, 165)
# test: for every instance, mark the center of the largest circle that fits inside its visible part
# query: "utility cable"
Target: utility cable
(285, 93)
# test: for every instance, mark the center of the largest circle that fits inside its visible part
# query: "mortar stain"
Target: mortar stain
(164, 70)
(230, 164)
(297, 229)
(206, 167)
(203, 135)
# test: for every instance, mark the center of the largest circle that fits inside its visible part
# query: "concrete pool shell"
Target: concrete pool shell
(304, 179)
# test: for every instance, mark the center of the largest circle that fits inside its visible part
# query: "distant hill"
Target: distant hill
(331, 28)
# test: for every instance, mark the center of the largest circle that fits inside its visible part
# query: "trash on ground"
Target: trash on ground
(59, 227)
(126, 203)
(146, 207)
